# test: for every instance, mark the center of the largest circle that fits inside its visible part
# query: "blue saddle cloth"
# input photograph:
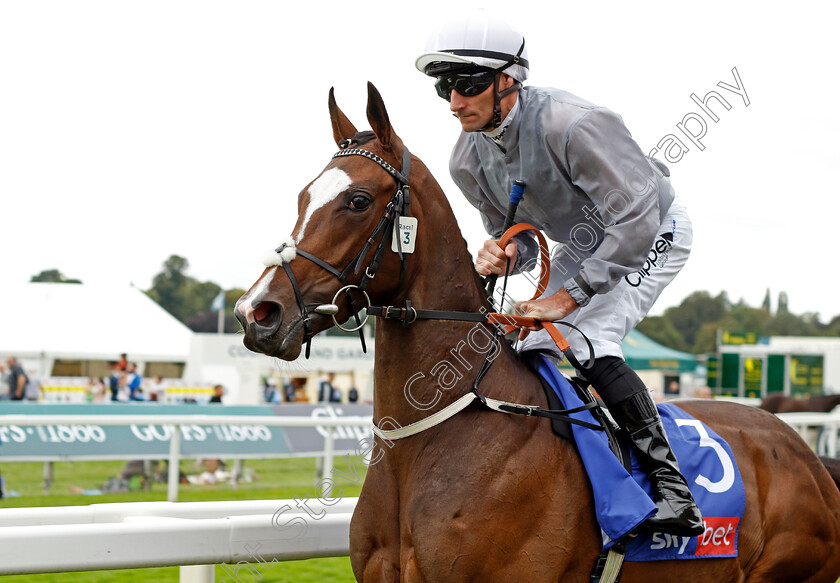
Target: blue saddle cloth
(623, 501)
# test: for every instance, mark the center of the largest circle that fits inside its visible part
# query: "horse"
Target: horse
(778, 403)
(484, 496)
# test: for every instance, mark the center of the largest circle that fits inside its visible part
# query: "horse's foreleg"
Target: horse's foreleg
(374, 530)
(378, 569)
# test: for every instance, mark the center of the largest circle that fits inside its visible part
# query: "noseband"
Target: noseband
(396, 208)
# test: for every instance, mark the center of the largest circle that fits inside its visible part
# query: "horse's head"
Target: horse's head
(342, 239)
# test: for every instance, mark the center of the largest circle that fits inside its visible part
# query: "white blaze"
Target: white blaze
(325, 188)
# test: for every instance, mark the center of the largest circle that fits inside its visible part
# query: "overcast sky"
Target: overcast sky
(131, 131)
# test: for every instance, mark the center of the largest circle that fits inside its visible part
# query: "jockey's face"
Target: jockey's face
(477, 111)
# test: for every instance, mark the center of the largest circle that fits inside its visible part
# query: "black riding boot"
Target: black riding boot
(678, 514)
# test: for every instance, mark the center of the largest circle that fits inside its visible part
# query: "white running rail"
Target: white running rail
(245, 538)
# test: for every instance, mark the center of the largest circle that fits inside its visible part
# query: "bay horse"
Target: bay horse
(483, 496)
(778, 403)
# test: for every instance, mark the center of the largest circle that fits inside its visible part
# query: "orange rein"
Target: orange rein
(510, 322)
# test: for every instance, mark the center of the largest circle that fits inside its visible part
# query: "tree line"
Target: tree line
(692, 326)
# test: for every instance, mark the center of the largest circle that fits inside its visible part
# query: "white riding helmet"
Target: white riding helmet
(477, 39)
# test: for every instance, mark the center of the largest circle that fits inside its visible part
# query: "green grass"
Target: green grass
(334, 570)
(276, 479)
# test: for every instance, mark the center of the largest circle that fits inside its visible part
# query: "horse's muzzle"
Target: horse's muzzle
(261, 326)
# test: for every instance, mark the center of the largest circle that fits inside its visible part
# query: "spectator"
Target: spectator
(121, 483)
(336, 395)
(33, 387)
(4, 382)
(218, 393)
(17, 379)
(96, 389)
(289, 391)
(157, 388)
(115, 381)
(134, 381)
(353, 395)
(270, 391)
(118, 377)
(298, 390)
(326, 391)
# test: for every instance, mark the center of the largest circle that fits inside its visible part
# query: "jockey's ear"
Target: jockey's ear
(381, 125)
(506, 81)
(343, 129)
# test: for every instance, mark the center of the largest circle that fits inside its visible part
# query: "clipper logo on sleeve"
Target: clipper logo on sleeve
(657, 257)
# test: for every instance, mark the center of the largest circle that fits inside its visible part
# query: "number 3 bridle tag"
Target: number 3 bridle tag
(407, 234)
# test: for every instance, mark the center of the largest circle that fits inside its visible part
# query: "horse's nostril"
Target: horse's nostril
(268, 314)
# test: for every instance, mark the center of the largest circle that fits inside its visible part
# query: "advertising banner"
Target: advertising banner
(94, 441)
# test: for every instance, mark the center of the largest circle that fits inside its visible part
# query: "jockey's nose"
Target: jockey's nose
(456, 102)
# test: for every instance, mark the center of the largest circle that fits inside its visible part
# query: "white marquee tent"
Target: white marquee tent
(46, 322)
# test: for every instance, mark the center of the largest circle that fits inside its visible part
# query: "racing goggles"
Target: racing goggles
(466, 84)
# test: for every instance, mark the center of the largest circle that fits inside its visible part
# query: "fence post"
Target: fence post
(48, 477)
(238, 471)
(174, 464)
(329, 448)
(198, 574)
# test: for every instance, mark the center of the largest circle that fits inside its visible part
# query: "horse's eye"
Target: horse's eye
(359, 202)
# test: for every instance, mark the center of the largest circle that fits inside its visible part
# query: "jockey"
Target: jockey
(622, 235)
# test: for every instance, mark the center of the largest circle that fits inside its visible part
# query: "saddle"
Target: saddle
(618, 440)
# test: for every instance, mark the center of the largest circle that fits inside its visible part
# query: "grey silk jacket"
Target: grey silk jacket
(589, 187)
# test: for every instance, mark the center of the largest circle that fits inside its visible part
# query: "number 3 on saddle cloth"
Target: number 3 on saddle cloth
(623, 502)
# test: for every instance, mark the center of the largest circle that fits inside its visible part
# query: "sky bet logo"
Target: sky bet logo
(719, 537)
(717, 540)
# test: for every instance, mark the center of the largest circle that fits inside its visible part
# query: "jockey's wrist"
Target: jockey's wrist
(578, 290)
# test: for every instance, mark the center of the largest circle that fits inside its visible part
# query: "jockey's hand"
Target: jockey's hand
(554, 307)
(492, 258)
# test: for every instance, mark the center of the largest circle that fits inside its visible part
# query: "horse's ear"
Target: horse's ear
(343, 129)
(381, 125)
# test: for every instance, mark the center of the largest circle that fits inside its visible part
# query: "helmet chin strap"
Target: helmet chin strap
(496, 120)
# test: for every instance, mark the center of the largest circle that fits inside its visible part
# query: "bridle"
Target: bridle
(397, 207)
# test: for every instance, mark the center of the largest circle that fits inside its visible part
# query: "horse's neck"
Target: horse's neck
(431, 363)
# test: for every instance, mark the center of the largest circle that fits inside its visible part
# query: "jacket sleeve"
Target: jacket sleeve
(610, 168)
